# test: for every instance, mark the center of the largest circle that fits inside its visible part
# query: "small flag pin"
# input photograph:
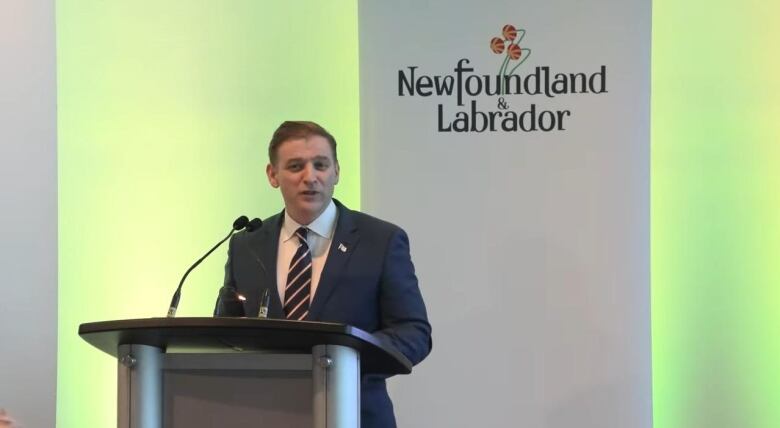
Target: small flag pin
(342, 248)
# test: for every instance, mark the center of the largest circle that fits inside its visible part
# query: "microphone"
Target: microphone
(240, 223)
(229, 301)
(254, 224)
(265, 297)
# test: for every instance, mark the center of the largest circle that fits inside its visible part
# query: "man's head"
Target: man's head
(303, 165)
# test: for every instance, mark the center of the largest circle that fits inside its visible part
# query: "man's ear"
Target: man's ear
(270, 171)
(337, 169)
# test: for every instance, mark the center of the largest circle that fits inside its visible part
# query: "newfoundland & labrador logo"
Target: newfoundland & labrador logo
(509, 85)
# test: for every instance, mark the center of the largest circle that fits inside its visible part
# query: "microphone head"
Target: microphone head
(240, 223)
(253, 225)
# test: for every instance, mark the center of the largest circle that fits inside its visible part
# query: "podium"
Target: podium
(225, 372)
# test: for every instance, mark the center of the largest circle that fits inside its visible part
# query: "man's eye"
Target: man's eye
(294, 166)
(321, 165)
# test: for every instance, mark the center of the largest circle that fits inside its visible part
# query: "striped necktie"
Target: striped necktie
(297, 291)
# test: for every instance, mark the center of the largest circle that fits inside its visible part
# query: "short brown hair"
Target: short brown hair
(294, 130)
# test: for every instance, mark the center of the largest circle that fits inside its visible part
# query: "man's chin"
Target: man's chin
(308, 211)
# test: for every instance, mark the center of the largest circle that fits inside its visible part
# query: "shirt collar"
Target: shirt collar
(324, 225)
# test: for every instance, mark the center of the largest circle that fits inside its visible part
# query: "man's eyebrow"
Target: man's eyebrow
(293, 160)
(318, 158)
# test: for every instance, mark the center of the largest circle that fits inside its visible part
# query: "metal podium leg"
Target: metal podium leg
(140, 387)
(336, 376)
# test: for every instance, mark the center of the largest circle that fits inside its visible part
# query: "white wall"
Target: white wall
(532, 249)
(28, 211)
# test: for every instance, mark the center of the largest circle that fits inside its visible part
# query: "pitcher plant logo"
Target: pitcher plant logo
(462, 91)
(513, 52)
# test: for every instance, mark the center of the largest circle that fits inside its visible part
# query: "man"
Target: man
(324, 262)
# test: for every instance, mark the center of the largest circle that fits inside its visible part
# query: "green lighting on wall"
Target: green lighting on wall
(165, 110)
(716, 214)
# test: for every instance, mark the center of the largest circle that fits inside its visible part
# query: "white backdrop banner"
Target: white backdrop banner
(511, 140)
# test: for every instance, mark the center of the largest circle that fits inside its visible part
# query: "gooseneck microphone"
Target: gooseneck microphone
(254, 224)
(240, 223)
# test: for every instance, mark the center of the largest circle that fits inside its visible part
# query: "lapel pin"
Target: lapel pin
(342, 248)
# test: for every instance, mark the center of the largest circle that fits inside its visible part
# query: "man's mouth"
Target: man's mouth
(309, 192)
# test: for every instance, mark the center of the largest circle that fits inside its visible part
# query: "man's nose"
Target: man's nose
(309, 175)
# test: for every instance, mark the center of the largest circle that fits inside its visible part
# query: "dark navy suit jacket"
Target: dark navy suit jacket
(371, 285)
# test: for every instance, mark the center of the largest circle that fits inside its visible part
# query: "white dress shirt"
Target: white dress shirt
(319, 238)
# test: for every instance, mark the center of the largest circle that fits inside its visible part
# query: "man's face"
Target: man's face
(306, 173)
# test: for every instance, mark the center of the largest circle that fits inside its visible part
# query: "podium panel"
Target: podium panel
(239, 395)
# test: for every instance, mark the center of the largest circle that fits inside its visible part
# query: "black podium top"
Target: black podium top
(244, 334)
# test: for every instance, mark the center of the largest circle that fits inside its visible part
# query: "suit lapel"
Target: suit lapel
(265, 246)
(345, 239)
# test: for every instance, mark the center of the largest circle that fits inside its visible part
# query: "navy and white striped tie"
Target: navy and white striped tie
(297, 291)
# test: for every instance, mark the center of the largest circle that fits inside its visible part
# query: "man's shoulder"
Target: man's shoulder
(367, 222)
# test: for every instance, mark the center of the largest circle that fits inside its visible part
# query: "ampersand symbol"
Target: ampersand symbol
(502, 105)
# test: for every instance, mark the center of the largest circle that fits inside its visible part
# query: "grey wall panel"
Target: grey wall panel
(28, 217)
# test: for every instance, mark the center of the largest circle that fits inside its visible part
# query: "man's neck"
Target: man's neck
(308, 220)
(305, 220)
